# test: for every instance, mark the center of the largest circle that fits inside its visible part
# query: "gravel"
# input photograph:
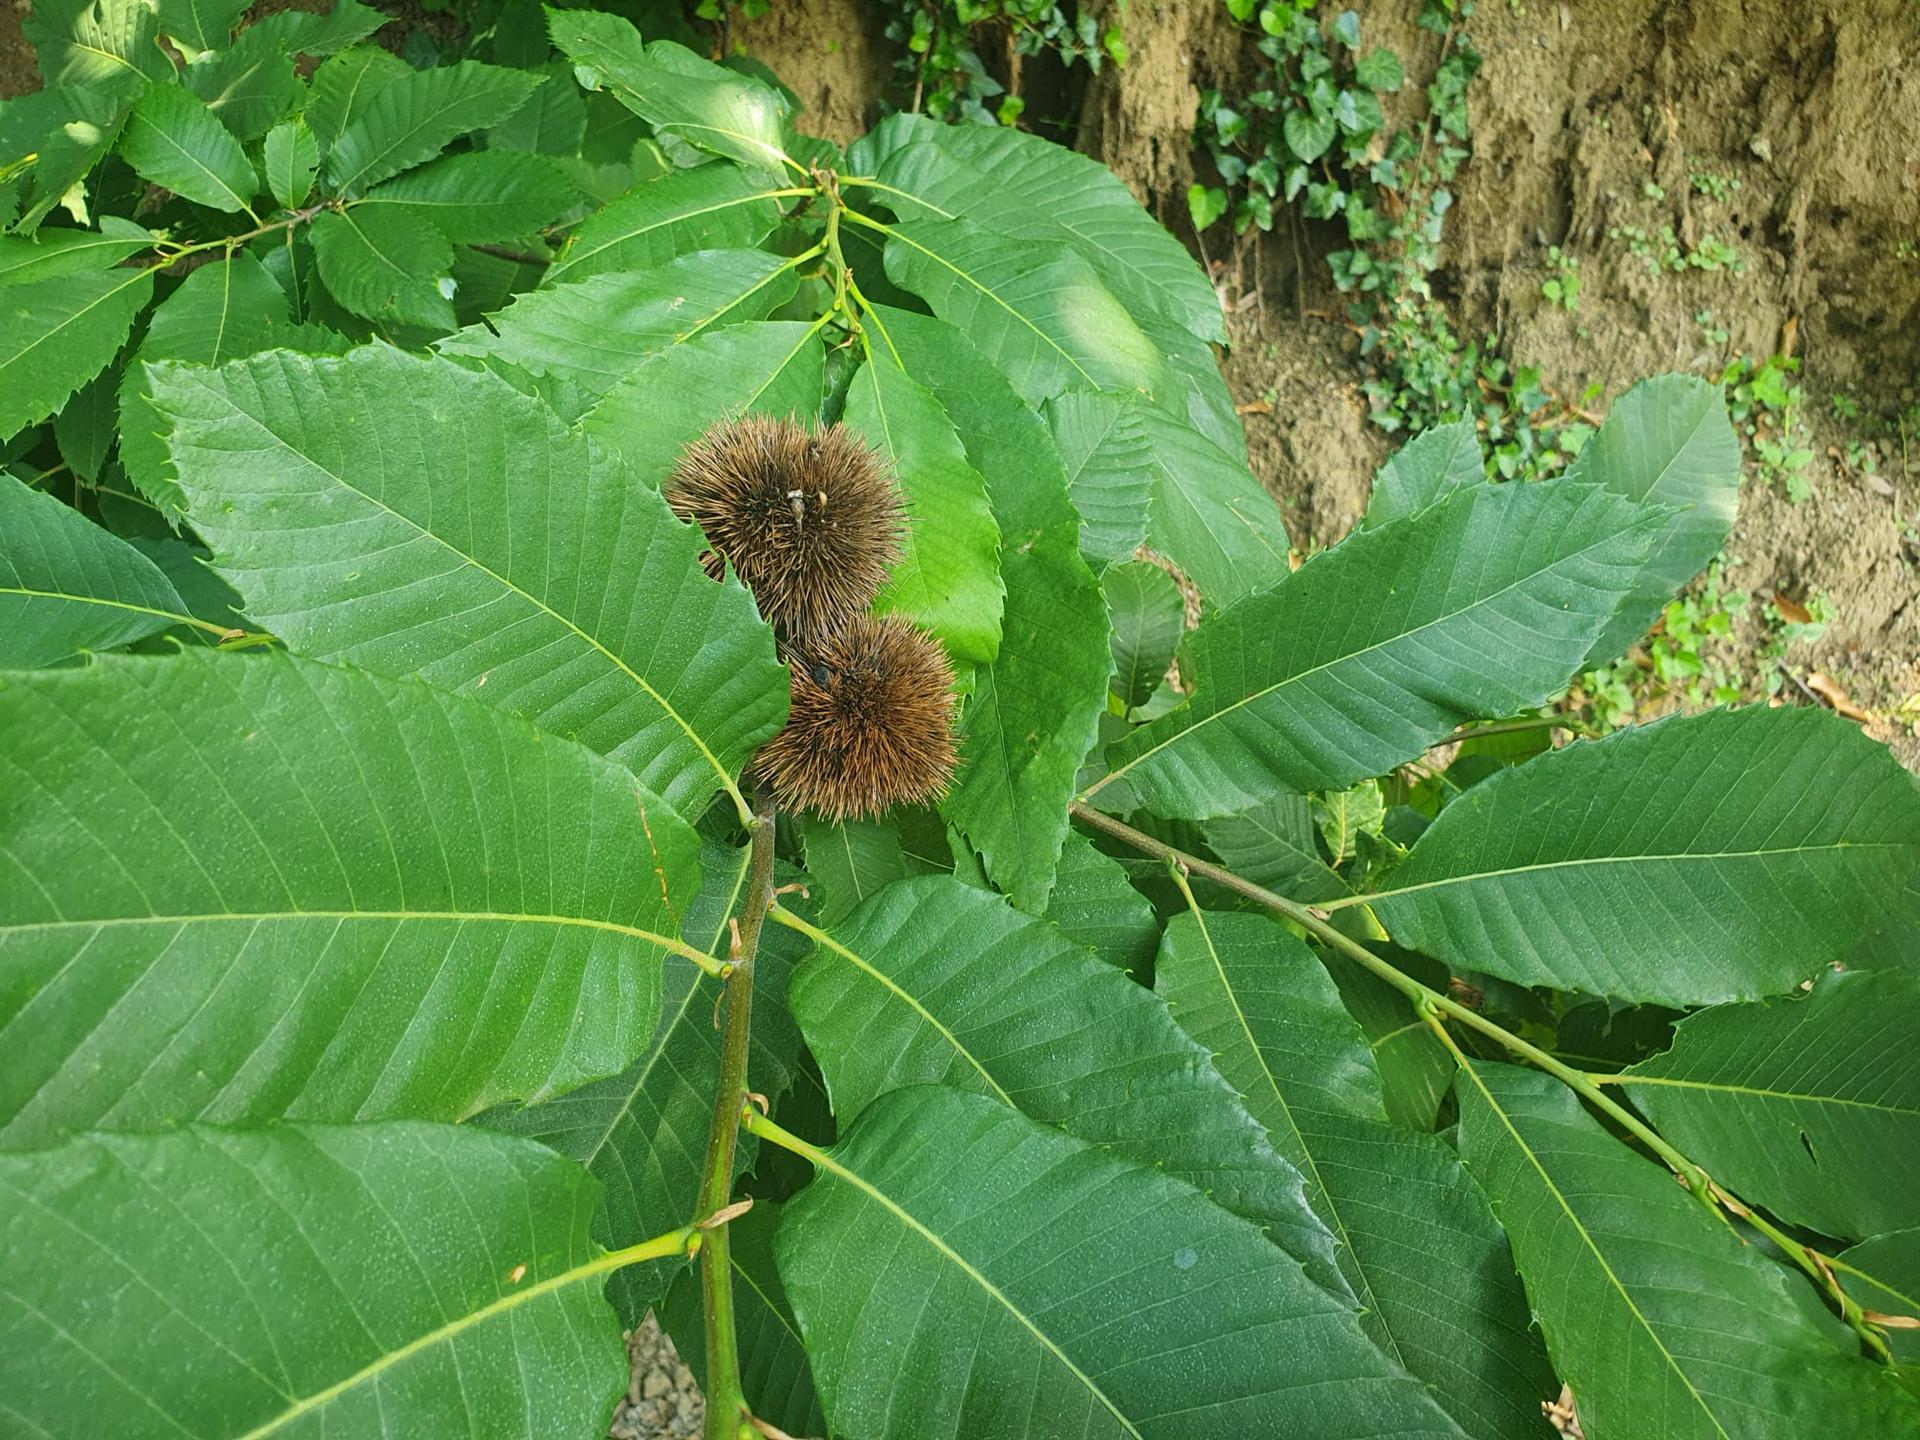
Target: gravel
(663, 1400)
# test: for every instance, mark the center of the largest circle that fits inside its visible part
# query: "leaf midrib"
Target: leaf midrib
(1599, 1256)
(265, 916)
(1579, 861)
(1612, 535)
(1727, 1088)
(726, 778)
(826, 1160)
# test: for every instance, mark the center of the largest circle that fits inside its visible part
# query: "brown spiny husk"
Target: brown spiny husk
(810, 520)
(871, 724)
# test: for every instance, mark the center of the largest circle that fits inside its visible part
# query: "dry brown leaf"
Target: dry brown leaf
(1823, 686)
(1791, 609)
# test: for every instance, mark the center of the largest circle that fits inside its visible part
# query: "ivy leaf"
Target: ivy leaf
(386, 266)
(1633, 1282)
(459, 531)
(108, 43)
(1308, 135)
(1725, 856)
(935, 982)
(312, 893)
(416, 113)
(1809, 1107)
(423, 1256)
(1149, 618)
(1380, 71)
(1034, 712)
(643, 1133)
(1043, 192)
(173, 140)
(66, 585)
(1045, 320)
(905, 1232)
(221, 311)
(1428, 468)
(1418, 1244)
(711, 207)
(477, 197)
(1667, 441)
(594, 331)
(674, 90)
(57, 333)
(948, 581)
(770, 367)
(1484, 604)
(292, 158)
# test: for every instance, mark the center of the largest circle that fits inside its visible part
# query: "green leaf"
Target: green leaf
(66, 585)
(1273, 845)
(1484, 604)
(1039, 191)
(1724, 856)
(220, 312)
(849, 860)
(345, 87)
(948, 581)
(480, 196)
(1102, 1295)
(1659, 1317)
(200, 24)
(1045, 320)
(1418, 1245)
(84, 428)
(1307, 135)
(553, 122)
(1034, 712)
(173, 140)
(1808, 1107)
(674, 90)
(400, 1279)
(594, 331)
(1345, 815)
(1111, 472)
(1093, 905)
(643, 1133)
(312, 893)
(1380, 70)
(934, 982)
(292, 160)
(1883, 1274)
(58, 333)
(1667, 441)
(302, 33)
(1425, 470)
(772, 367)
(60, 252)
(386, 266)
(1149, 619)
(459, 531)
(775, 1376)
(711, 207)
(1201, 507)
(248, 87)
(414, 116)
(108, 43)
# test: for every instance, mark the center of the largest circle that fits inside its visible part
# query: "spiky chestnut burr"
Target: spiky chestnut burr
(871, 724)
(810, 520)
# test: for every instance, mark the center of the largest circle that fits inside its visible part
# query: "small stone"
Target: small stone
(1762, 148)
